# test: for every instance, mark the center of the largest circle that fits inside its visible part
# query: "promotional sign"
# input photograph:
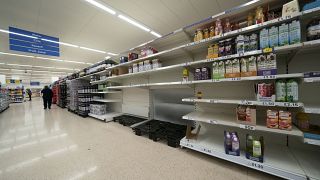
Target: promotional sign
(13, 81)
(34, 83)
(30, 42)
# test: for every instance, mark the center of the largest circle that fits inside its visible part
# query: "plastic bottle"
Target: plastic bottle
(281, 91)
(235, 144)
(292, 91)
(256, 149)
(228, 141)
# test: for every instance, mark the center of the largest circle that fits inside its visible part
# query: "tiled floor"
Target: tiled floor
(56, 144)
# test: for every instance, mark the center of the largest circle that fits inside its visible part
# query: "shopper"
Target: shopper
(29, 93)
(47, 97)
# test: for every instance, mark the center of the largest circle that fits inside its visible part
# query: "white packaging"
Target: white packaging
(228, 66)
(294, 32)
(235, 66)
(283, 34)
(147, 65)
(156, 64)
(273, 36)
(264, 38)
(135, 68)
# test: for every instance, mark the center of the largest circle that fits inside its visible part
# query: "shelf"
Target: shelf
(312, 141)
(311, 80)
(244, 102)
(107, 92)
(106, 117)
(252, 78)
(107, 100)
(279, 161)
(230, 120)
(312, 110)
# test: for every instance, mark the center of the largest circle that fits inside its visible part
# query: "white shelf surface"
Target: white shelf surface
(312, 141)
(107, 92)
(106, 117)
(278, 161)
(107, 100)
(243, 102)
(230, 120)
(312, 109)
(252, 78)
(312, 79)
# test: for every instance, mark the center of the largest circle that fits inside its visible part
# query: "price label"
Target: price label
(288, 17)
(239, 30)
(269, 77)
(189, 145)
(213, 101)
(267, 50)
(207, 150)
(287, 104)
(245, 102)
(235, 79)
(248, 127)
(241, 54)
(213, 122)
(255, 165)
(268, 103)
(216, 80)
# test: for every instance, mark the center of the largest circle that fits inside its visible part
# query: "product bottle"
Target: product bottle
(256, 149)
(235, 144)
(292, 90)
(185, 74)
(228, 142)
(281, 91)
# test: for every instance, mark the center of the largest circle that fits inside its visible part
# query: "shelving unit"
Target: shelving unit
(146, 94)
(106, 117)
(107, 100)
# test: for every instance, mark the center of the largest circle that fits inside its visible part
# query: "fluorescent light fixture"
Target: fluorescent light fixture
(65, 68)
(44, 67)
(62, 43)
(21, 55)
(51, 59)
(133, 22)
(75, 62)
(108, 57)
(4, 31)
(90, 49)
(18, 70)
(2, 63)
(101, 6)
(155, 34)
(4, 69)
(89, 63)
(23, 65)
(112, 54)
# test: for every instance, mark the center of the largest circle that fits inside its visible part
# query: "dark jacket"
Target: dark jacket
(47, 93)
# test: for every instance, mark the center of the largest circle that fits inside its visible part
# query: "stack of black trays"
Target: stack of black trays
(175, 133)
(127, 120)
(157, 130)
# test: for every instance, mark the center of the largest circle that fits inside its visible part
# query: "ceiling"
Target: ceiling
(78, 22)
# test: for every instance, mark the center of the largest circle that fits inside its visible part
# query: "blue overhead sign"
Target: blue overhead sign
(26, 41)
(34, 83)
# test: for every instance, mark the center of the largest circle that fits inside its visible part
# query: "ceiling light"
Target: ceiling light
(155, 34)
(101, 6)
(90, 49)
(44, 67)
(133, 22)
(75, 62)
(18, 70)
(51, 59)
(65, 68)
(5, 31)
(108, 57)
(11, 54)
(112, 54)
(89, 63)
(4, 69)
(2, 63)
(62, 43)
(24, 65)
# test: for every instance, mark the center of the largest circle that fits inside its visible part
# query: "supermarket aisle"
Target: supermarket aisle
(56, 144)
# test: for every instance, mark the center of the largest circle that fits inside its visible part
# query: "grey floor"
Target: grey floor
(56, 144)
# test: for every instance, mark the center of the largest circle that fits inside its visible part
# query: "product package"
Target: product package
(273, 36)
(294, 32)
(240, 44)
(213, 51)
(147, 65)
(135, 68)
(232, 68)
(246, 115)
(290, 9)
(123, 59)
(141, 66)
(231, 143)
(156, 64)
(185, 74)
(265, 92)
(264, 38)
(254, 148)
(267, 65)
(292, 89)
(197, 74)
(285, 120)
(248, 66)
(283, 34)
(122, 70)
(205, 73)
(272, 119)
(133, 56)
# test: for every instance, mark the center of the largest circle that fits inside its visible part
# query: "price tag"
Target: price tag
(235, 79)
(239, 30)
(288, 17)
(207, 150)
(268, 103)
(247, 127)
(216, 80)
(213, 122)
(267, 50)
(256, 165)
(245, 102)
(269, 77)
(241, 54)
(212, 101)
(287, 104)
(189, 145)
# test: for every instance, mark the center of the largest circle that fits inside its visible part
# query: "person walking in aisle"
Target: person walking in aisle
(29, 93)
(47, 94)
